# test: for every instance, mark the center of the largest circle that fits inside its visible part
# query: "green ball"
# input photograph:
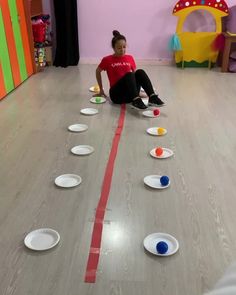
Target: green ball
(98, 99)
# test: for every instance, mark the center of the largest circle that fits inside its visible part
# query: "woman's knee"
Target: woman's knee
(140, 72)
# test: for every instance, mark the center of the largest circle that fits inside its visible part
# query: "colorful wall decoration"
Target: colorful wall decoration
(15, 53)
(195, 48)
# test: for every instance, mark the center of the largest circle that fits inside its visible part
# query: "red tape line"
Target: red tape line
(94, 253)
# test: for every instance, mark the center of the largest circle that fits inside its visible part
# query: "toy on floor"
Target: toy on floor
(162, 247)
(161, 244)
(159, 151)
(156, 112)
(194, 49)
(96, 88)
(98, 99)
(164, 180)
(160, 131)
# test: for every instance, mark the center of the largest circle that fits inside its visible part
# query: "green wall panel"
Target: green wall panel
(18, 39)
(4, 57)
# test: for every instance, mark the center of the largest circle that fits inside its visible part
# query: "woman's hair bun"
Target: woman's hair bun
(116, 33)
(116, 37)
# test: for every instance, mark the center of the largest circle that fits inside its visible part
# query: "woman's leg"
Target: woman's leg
(143, 80)
(126, 90)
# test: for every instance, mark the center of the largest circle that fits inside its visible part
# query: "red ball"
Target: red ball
(156, 112)
(159, 151)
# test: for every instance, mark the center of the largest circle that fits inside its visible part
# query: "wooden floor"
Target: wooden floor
(198, 208)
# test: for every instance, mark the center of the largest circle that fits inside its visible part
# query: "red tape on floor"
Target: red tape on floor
(94, 253)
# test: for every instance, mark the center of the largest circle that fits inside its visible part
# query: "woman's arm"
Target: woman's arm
(99, 80)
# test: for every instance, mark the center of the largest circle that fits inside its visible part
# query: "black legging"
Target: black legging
(128, 87)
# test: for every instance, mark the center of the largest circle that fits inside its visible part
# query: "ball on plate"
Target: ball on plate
(160, 131)
(164, 180)
(96, 88)
(156, 112)
(162, 247)
(159, 151)
(98, 99)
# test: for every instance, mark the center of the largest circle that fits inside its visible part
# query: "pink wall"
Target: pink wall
(147, 24)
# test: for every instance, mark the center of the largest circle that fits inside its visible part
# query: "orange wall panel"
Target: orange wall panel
(11, 43)
(25, 37)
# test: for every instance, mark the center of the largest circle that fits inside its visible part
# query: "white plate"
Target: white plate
(93, 100)
(92, 89)
(78, 127)
(166, 153)
(150, 114)
(153, 131)
(68, 180)
(89, 111)
(151, 241)
(42, 239)
(154, 182)
(82, 150)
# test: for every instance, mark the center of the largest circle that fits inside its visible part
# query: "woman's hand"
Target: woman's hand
(99, 80)
(100, 94)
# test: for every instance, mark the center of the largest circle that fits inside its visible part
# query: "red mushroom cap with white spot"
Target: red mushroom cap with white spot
(217, 4)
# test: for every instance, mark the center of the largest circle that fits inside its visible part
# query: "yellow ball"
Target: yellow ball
(160, 131)
(96, 88)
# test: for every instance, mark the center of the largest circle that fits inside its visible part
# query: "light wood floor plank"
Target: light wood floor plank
(198, 208)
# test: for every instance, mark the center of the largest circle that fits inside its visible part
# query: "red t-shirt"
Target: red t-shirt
(117, 66)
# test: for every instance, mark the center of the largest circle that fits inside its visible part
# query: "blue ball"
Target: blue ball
(162, 247)
(164, 180)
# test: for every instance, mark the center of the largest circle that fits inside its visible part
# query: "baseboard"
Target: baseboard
(157, 61)
(89, 61)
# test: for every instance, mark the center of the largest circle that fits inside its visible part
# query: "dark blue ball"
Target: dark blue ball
(164, 180)
(162, 247)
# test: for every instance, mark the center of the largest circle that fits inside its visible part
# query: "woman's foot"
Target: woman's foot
(138, 104)
(154, 100)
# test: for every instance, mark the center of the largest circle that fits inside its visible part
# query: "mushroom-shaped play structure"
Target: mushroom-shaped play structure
(195, 48)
